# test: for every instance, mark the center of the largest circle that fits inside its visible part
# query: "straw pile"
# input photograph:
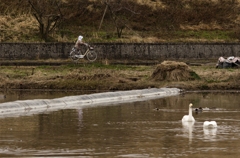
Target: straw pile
(173, 71)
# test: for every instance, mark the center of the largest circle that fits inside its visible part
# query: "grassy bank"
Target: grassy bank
(98, 76)
(121, 21)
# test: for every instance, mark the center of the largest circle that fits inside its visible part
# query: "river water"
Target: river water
(150, 128)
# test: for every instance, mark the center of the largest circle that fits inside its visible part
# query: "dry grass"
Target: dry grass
(202, 26)
(119, 77)
(172, 71)
(153, 4)
(17, 24)
(211, 74)
(17, 28)
(139, 39)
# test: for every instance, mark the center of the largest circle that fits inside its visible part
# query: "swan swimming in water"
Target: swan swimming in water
(189, 117)
(210, 124)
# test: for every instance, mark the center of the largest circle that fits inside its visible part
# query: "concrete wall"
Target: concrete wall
(121, 51)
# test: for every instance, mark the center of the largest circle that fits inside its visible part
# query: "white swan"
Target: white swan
(210, 124)
(189, 117)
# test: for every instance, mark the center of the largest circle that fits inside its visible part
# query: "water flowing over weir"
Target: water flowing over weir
(28, 107)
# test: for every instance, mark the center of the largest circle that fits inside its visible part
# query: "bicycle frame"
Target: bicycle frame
(90, 53)
(86, 52)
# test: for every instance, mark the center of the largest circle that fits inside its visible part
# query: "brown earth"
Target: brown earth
(99, 76)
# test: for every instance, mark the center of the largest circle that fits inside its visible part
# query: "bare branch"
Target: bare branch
(47, 14)
(119, 21)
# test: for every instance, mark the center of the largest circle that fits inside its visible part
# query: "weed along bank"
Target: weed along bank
(122, 51)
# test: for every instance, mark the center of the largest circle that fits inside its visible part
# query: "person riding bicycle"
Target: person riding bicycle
(80, 42)
(78, 51)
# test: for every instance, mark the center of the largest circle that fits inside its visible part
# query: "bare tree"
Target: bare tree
(47, 14)
(121, 12)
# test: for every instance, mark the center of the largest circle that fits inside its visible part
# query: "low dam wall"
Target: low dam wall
(29, 107)
(121, 51)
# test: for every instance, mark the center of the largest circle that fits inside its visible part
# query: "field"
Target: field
(100, 76)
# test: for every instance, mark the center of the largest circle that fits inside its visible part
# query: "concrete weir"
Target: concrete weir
(28, 107)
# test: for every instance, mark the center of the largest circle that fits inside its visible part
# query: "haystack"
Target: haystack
(173, 71)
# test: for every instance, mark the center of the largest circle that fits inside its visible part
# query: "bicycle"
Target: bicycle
(76, 54)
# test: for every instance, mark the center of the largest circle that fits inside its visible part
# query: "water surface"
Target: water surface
(128, 130)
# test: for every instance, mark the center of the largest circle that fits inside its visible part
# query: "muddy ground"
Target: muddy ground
(102, 76)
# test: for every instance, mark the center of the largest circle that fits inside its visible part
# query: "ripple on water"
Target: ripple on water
(44, 153)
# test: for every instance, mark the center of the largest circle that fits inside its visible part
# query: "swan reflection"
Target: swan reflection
(188, 129)
(210, 133)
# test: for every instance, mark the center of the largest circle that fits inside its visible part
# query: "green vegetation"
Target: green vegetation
(195, 76)
(120, 21)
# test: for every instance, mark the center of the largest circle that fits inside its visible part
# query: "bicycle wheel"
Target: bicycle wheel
(73, 54)
(91, 55)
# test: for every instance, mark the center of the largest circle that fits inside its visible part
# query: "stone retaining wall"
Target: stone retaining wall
(121, 51)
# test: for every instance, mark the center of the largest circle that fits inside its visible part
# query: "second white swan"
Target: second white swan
(210, 124)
